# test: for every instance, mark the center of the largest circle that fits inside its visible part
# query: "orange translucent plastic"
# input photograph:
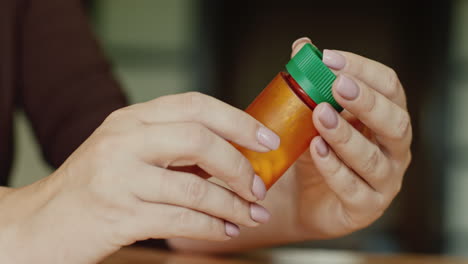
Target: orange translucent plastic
(284, 108)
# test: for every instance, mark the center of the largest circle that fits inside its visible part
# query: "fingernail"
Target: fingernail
(321, 147)
(347, 88)
(328, 117)
(232, 230)
(258, 188)
(259, 214)
(299, 41)
(333, 59)
(268, 138)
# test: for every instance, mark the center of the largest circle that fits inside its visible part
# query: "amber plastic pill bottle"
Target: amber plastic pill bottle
(285, 106)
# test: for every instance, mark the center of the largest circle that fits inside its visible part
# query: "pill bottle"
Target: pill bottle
(285, 106)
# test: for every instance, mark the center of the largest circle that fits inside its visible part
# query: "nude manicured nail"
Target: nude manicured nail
(258, 188)
(300, 41)
(268, 138)
(321, 147)
(333, 59)
(232, 230)
(347, 88)
(259, 214)
(328, 117)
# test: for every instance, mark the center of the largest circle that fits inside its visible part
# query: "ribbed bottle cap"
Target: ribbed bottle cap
(314, 77)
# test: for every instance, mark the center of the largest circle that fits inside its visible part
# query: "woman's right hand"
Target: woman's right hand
(119, 186)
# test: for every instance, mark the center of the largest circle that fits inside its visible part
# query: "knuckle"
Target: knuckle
(124, 116)
(350, 189)
(381, 202)
(184, 218)
(403, 126)
(237, 180)
(239, 209)
(243, 167)
(349, 220)
(345, 136)
(393, 83)
(198, 137)
(216, 227)
(195, 191)
(371, 162)
(346, 183)
(363, 216)
(166, 184)
(369, 104)
(193, 103)
(109, 143)
(402, 164)
(118, 114)
(335, 168)
(241, 120)
(368, 210)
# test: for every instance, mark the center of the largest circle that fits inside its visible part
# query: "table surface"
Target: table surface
(277, 256)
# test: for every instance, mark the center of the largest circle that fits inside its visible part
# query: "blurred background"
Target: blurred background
(232, 49)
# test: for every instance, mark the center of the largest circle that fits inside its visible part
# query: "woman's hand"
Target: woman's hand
(129, 182)
(351, 172)
(355, 167)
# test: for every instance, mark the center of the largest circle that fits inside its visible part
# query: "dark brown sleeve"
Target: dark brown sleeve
(67, 87)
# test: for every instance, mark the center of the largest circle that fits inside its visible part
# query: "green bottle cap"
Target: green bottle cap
(314, 77)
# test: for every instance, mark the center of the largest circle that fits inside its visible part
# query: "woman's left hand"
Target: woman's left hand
(351, 172)
(355, 167)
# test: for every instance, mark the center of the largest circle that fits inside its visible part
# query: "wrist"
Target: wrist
(18, 204)
(19, 207)
(49, 222)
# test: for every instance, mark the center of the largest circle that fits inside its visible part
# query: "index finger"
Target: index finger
(375, 74)
(224, 120)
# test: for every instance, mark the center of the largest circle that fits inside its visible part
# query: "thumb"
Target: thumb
(298, 44)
